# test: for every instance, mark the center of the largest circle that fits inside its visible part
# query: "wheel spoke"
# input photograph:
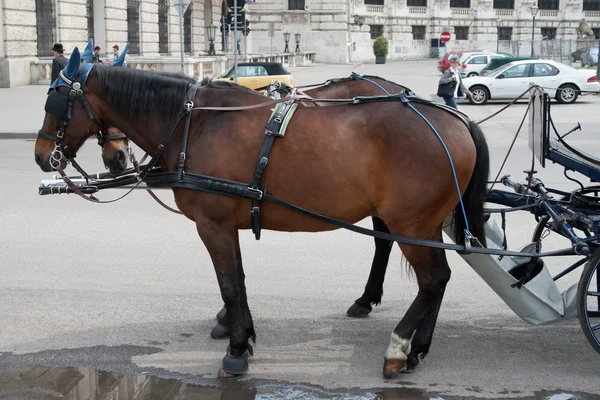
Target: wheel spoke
(595, 328)
(593, 314)
(596, 294)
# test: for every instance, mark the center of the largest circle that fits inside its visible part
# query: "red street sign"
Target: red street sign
(445, 36)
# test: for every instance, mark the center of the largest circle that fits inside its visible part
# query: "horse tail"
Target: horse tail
(474, 196)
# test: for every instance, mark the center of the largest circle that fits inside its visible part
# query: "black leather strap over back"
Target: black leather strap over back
(275, 128)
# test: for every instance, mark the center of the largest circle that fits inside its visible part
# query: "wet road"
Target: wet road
(129, 288)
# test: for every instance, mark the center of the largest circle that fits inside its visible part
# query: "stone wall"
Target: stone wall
(116, 24)
(19, 28)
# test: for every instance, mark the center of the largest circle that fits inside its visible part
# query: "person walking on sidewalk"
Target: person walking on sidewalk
(452, 78)
(59, 62)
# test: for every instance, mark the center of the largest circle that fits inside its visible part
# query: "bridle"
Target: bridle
(61, 105)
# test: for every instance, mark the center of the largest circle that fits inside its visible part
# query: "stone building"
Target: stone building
(338, 31)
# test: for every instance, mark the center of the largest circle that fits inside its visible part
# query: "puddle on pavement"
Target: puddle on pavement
(75, 383)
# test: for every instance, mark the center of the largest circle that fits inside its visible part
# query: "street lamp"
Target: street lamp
(534, 10)
(286, 37)
(211, 33)
(297, 36)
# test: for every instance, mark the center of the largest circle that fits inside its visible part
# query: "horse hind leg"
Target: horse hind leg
(374, 287)
(416, 327)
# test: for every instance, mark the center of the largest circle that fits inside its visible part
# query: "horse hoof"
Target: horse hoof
(411, 363)
(219, 332)
(225, 375)
(358, 311)
(392, 367)
(234, 366)
(221, 313)
(248, 353)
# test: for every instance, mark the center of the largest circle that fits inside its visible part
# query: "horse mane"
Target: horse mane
(208, 82)
(140, 94)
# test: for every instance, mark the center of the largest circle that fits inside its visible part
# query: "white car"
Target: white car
(472, 64)
(560, 81)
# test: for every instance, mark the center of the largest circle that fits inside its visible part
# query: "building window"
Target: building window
(548, 4)
(296, 5)
(461, 32)
(596, 32)
(504, 4)
(374, 2)
(418, 32)
(548, 33)
(376, 31)
(460, 3)
(163, 26)
(416, 3)
(591, 5)
(89, 14)
(187, 30)
(133, 26)
(505, 33)
(46, 26)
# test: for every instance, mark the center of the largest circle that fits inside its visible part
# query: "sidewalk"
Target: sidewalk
(22, 111)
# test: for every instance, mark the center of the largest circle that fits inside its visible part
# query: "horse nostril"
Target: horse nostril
(120, 156)
(38, 159)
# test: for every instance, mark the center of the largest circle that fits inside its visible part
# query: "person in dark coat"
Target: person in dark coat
(59, 62)
(452, 74)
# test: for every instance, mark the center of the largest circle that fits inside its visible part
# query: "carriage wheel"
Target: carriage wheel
(588, 301)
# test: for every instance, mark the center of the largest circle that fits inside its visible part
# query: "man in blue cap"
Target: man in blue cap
(59, 62)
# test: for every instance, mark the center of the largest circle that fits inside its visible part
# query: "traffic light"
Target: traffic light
(246, 28)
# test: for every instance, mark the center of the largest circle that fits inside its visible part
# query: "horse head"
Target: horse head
(71, 116)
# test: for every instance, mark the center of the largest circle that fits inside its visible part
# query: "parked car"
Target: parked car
(258, 74)
(560, 81)
(589, 57)
(444, 63)
(498, 62)
(472, 64)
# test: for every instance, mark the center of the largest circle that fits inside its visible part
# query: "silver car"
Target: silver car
(590, 57)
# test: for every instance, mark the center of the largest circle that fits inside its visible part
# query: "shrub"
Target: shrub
(380, 46)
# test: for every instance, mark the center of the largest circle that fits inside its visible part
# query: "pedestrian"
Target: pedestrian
(116, 52)
(96, 56)
(59, 62)
(451, 86)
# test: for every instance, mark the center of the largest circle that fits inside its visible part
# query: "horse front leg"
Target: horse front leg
(374, 287)
(223, 246)
(223, 327)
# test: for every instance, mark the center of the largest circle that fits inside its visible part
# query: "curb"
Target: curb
(22, 135)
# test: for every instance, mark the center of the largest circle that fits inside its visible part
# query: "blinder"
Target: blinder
(57, 104)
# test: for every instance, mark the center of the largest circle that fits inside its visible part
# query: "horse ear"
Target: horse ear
(88, 53)
(120, 61)
(72, 67)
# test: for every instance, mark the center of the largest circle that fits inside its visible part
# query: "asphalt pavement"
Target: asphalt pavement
(129, 287)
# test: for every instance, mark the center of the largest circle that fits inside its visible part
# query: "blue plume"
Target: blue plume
(88, 53)
(72, 67)
(121, 60)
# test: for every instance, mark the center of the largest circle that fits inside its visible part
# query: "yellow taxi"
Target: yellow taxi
(258, 74)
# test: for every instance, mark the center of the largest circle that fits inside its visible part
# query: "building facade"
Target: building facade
(338, 31)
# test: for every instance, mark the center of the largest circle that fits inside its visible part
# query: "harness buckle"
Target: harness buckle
(188, 105)
(256, 190)
(255, 211)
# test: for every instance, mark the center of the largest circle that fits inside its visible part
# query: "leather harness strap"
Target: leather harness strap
(275, 128)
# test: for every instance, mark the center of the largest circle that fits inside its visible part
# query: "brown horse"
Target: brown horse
(343, 88)
(348, 162)
(114, 150)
